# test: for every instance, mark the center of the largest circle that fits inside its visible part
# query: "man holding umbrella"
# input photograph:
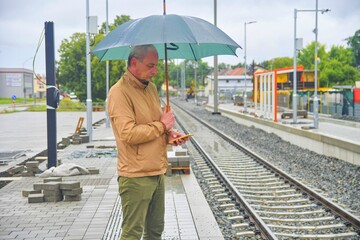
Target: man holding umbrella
(142, 131)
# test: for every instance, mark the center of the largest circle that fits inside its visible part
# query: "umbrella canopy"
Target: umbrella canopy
(186, 38)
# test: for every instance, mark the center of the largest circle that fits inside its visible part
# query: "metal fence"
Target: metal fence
(330, 103)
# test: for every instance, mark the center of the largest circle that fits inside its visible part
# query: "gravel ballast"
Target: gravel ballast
(334, 178)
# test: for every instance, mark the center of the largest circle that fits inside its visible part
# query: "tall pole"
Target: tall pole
(245, 91)
(294, 99)
(245, 94)
(107, 122)
(216, 111)
(166, 70)
(316, 115)
(51, 104)
(195, 77)
(24, 81)
(88, 76)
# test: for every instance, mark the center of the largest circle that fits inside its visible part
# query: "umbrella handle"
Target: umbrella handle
(173, 47)
(168, 108)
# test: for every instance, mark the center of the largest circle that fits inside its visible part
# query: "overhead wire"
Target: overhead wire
(41, 39)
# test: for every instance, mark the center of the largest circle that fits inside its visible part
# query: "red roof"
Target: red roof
(236, 72)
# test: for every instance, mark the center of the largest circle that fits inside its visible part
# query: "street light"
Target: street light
(295, 65)
(107, 122)
(245, 94)
(195, 79)
(24, 82)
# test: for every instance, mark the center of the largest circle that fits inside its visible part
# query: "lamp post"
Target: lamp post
(216, 103)
(88, 76)
(107, 122)
(295, 65)
(245, 94)
(195, 80)
(24, 82)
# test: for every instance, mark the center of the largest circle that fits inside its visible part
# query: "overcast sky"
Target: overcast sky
(22, 21)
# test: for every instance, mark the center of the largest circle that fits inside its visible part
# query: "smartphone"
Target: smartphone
(184, 136)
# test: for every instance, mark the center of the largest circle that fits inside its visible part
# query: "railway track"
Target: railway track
(254, 199)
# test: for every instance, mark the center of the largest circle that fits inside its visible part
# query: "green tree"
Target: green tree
(338, 68)
(117, 22)
(306, 56)
(280, 62)
(354, 43)
(71, 71)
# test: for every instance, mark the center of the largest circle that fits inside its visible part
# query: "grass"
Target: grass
(66, 105)
(20, 100)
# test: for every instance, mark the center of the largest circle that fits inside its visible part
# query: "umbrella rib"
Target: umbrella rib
(104, 54)
(192, 50)
(233, 50)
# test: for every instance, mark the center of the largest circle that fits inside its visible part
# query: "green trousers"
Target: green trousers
(143, 206)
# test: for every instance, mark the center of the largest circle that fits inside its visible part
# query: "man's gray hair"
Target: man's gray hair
(140, 51)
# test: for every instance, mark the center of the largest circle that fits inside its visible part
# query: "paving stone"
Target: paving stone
(25, 193)
(93, 170)
(168, 170)
(41, 158)
(61, 146)
(38, 186)
(72, 192)
(53, 179)
(183, 161)
(17, 169)
(57, 198)
(76, 142)
(51, 185)
(181, 152)
(69, 185)
(84, 139)
(36, 198)
(27, 174)
(52, 193)
(32, 164)
(173, 161)
(72, 198)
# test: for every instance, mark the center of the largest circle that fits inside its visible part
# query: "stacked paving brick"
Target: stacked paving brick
(54, 190)
(178, 160)
(64, 143)
(71, 191)
(79, 138)
(31, 168)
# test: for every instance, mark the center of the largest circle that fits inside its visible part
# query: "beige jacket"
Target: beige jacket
(134, 110)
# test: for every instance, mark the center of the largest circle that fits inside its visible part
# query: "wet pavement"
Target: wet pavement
(97, 214)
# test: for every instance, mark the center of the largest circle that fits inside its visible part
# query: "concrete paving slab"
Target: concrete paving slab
(89, 217)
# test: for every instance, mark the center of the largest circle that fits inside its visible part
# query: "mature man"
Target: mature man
(142, 131)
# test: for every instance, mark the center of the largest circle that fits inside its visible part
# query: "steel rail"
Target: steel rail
(349, 218)
(261, 225)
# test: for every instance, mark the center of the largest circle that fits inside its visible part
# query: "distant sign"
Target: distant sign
(13, 97)
(13, 79)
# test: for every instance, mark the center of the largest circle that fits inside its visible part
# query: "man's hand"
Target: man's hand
(168, 119)
(173, 135)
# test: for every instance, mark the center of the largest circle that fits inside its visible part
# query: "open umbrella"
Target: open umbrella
(184, 37)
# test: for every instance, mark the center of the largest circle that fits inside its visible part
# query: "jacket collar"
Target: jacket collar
(134, 81)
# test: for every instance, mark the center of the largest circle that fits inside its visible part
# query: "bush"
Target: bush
(67, 105)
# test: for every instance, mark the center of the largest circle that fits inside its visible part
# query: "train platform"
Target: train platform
(336, 138)
(347, 130)
(97, 214)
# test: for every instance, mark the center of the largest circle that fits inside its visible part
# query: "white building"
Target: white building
(17, 82)
(229, 85)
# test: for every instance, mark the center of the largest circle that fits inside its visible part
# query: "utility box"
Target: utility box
(93, 25)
